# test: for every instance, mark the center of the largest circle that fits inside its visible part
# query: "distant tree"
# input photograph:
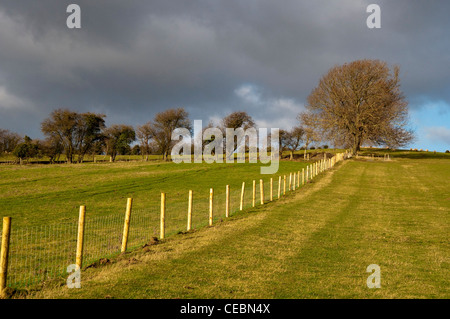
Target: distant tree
(291, 140)
(62, 125)
(89, 131)
(75, 132)
(118, 138)
(235, 121)
(361, 102)
(145, 133)
(26, 150)
(309, 123)
(8, 141)
(136, 150)
(164, 124)
(200, 138)
(51, 147)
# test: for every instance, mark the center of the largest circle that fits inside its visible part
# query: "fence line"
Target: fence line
(32, 255)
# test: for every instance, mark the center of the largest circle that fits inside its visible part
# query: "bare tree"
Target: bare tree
(75, 132)
(8, 141)
(164, 124)
(361, 102)
(62, 125)
(291, 140)
(311, 131)
(52, 148)
(235, 121)
(145, 133)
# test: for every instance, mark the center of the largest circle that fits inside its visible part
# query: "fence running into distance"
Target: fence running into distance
(32, 255)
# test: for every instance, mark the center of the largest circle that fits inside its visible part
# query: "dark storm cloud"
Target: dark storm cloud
(132, 59)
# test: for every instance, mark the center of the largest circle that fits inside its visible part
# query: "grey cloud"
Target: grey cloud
(132, 59)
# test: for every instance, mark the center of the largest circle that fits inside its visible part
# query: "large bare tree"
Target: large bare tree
(361, 102)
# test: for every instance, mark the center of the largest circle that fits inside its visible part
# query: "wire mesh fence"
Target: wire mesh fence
(40, 253)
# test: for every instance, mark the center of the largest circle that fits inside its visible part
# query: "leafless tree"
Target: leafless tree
(75, 132)
(291, 140)
(145, 134)
(164, 124)
(62, 125)
(361, 102)
(311, 131)
(235, 121)
(8, 141)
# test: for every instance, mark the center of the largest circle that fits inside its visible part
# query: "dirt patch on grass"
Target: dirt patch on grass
(98, 263)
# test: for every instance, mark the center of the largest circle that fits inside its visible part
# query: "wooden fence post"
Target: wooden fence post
(80, 237)
(284, 185)
(261, 191)
(6, 234)
(271, 189)
(227, 202)
(290, 181)
(241, 205)
(211, 202)
(298, 179)
(293, 181)
(254, 194)
(162, 229)
(126, 225)
(189, 221)
(279, 186)
(303, 176)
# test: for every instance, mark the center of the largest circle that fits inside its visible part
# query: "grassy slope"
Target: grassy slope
(45, 194)
(314, 243)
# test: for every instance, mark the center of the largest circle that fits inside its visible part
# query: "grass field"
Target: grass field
(39, 194)
(43, 201)
(313, 243)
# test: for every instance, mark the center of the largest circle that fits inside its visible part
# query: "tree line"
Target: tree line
(354, 104)
(77, 135)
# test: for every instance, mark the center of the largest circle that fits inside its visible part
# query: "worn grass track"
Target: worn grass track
(314, 243)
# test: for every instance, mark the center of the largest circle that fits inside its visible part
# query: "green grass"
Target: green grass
(41, 194)
(313, 243)
(43, 201)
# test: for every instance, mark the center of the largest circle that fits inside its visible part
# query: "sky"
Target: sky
(132, 59)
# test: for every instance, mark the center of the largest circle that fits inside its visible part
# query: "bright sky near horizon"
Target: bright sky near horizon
(132, 59)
